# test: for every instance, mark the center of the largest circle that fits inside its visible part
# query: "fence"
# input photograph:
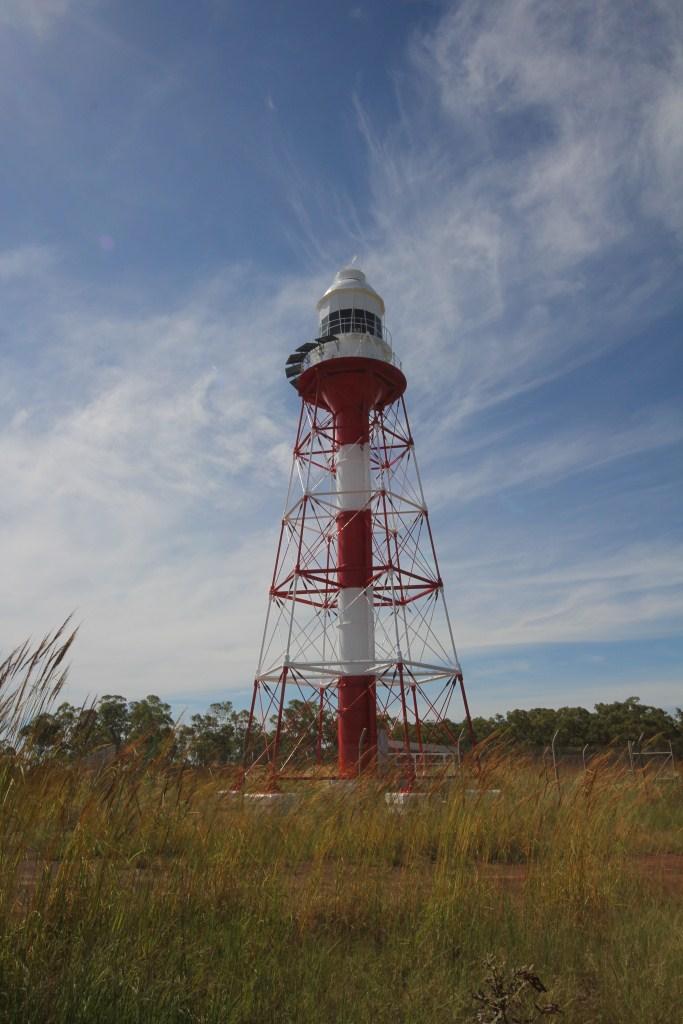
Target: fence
(657, 764)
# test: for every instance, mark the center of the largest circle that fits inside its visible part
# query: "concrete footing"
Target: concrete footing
(401, 802)
(279, 802)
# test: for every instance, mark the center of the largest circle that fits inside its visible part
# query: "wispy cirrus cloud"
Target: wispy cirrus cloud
(540, 462)
(139, 455)
(25, 264)
(34, 16)
(633, 593)
(521, 221)
(516, 197)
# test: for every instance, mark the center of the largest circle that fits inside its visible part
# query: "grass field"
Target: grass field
(140, 893)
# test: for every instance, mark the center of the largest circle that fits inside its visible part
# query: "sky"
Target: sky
(179, 183)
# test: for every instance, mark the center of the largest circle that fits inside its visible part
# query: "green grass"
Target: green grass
(140, 894)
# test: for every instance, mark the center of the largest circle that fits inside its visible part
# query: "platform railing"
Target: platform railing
(365, 340)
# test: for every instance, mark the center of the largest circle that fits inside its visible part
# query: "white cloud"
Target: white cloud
(512, 224)
(595, 76)
(522, 598)
(665, 145)
(144, 456)
(138, 495)
(35, 16)
(539, 463)
(25, 263)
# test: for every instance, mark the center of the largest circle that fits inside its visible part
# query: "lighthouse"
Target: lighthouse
(357, 627)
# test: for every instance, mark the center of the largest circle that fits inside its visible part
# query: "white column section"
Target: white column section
(353, 476)
(356, 618)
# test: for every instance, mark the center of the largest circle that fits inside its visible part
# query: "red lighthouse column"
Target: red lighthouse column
(357, 722)
(352, 388)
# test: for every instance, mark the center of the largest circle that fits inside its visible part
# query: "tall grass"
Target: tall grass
(142, 892)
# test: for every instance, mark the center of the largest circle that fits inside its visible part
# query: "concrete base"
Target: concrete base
(400, 802)
(279, 802)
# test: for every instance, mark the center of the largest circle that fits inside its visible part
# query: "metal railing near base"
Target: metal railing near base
(425, 759)
(658, 763)
(661, 762)
(551, 756)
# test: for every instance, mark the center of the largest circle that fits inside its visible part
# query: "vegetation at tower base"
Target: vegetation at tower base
(141, 891)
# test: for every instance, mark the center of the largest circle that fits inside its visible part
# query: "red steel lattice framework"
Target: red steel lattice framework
(331, 558)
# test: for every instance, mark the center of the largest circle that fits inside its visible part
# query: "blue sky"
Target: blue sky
(178, 184)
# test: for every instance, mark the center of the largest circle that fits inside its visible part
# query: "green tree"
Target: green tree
(113, 720)
(575, 725)
(211, 737)
(151, 723)
(83, 734)
(535, 726)
(42, 736)
(67, 732)
(629, 719)
(240, 720)
(300, 723)
(482, 727)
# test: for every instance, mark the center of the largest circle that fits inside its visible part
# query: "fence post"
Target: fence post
(361, 744)
(555, 768)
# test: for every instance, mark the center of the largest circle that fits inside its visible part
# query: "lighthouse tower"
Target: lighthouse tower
(357, 630)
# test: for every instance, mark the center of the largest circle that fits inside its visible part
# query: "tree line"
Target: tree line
(218, 735)
(607, 725)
